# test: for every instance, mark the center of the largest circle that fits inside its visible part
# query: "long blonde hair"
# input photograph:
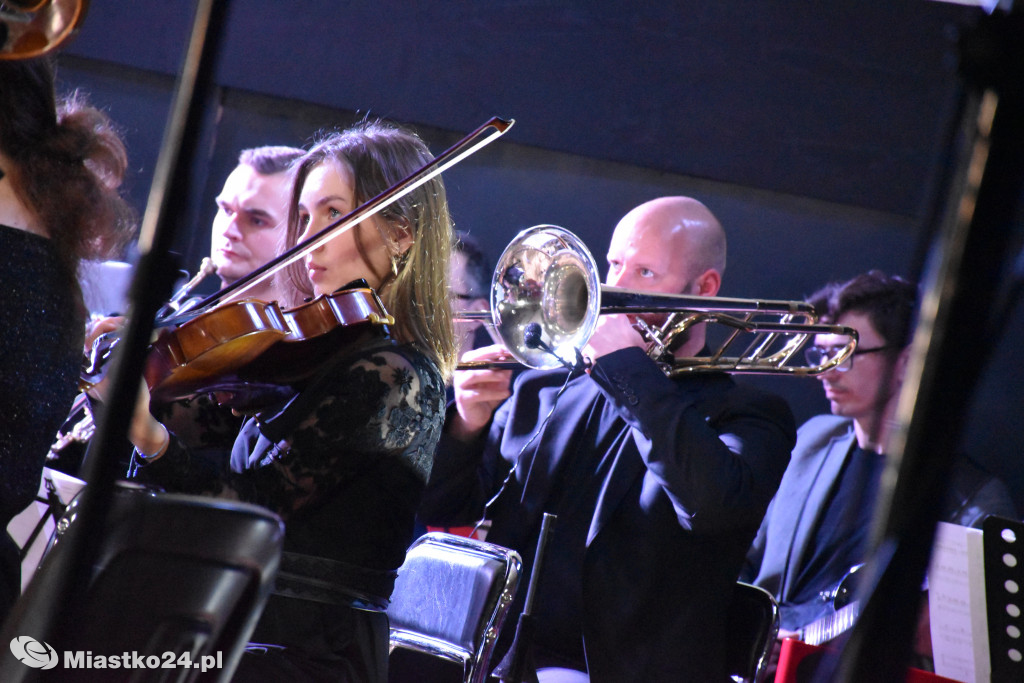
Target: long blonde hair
(379, 156)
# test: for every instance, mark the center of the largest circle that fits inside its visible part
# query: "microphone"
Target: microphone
(532, 339)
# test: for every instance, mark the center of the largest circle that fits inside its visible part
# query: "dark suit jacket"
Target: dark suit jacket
(783, 543)
(694, 463)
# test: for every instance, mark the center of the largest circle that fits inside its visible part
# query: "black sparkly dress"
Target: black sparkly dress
(41, 335)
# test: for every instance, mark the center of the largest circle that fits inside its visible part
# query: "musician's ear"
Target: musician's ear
(403, 234)
(899, 369)
(709, 282)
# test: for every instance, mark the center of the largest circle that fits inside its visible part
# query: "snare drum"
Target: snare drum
(34, 526)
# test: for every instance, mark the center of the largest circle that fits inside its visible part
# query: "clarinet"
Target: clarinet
(179, 303)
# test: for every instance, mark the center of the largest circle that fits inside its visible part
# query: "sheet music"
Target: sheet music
(956, 601)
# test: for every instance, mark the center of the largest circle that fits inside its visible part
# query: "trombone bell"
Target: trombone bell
(548, 277)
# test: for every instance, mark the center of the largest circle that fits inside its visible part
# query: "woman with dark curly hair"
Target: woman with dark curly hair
(345, 459)
(61, 163)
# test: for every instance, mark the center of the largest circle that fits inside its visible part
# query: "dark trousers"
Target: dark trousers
(310, 641)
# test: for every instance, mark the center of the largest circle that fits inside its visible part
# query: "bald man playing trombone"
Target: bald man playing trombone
(659, 483)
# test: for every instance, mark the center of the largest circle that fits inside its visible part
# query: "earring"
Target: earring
(398, 260)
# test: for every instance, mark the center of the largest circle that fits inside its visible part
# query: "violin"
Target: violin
(32, 28)
(250, 353)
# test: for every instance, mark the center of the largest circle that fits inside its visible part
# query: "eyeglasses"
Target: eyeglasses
(817, 355)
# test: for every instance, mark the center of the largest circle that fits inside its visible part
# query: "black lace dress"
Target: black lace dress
(344, 463)
(41, 337)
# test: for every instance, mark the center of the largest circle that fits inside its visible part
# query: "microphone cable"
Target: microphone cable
(532, 339)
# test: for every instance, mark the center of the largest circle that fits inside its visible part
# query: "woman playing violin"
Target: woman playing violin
(343, 460)
(61, 163)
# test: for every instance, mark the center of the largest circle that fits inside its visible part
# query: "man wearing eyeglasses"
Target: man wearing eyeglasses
(469, 284)
(817, 526)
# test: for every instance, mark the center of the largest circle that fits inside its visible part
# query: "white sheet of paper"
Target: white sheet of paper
(956, 601)
(22, 526)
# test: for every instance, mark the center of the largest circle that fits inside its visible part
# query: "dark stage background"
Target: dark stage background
(817, 132)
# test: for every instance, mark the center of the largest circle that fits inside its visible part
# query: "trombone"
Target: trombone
(545, 301)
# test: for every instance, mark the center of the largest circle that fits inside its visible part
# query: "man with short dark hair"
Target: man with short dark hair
(817, 527)
(248, 231)
(252, 209)
(470, 283)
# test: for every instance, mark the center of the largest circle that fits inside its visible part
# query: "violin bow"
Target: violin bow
(469, 145)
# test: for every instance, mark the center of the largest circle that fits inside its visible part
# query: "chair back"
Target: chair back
(451, 598)
(751, 627)
(177, 574)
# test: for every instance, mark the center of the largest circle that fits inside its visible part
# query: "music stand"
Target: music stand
(1003, 543)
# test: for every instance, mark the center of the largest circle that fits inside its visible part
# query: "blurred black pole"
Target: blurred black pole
(49, 614)
(950, 346)
(517, 666)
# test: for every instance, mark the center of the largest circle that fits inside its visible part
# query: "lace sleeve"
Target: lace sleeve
(200, 422)
(387, 403)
